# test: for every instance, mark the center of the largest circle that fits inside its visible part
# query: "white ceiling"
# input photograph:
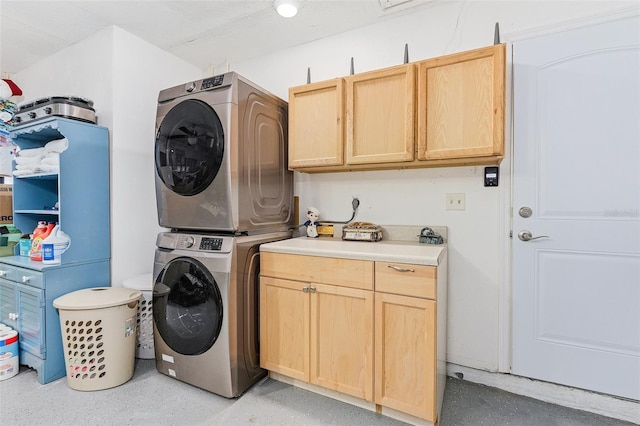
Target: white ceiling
(203, 33)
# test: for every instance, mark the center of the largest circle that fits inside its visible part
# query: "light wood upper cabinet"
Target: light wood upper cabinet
(316, 123)
(380, 116)
(461, 105)
(446, 111)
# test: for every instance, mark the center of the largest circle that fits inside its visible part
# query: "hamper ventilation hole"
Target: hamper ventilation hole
(99, 330)
(98, 322)
(88, 323)
(102, 366)
(80, 323)
(89, 330)
(102, 374)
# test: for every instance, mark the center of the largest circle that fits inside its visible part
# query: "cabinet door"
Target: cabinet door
(380, 116)
(342, 340)
(31, 320)
(405, 339)
(461, 105)
(316, 120)
(284, 327)
(8, 307)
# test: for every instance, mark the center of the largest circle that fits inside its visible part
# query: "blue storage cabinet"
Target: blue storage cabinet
(28, 288)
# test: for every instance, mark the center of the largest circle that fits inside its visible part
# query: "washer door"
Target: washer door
(189, 147)
(187, 306)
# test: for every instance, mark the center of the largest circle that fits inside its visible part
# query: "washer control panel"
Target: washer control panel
(211, 244)
(195, 242)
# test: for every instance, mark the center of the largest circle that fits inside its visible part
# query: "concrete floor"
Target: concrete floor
(151, 398)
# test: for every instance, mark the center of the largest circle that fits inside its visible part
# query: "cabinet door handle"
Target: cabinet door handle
(26, 279)
(312, 289)
(399, 269)
(13, 316)
(305, 289)
(3, 273)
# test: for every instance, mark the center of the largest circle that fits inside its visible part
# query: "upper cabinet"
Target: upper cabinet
(316, 121)
(380, 116)
(461, 105)
(446, 111)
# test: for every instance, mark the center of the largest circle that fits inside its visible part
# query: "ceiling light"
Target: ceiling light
(287, 9)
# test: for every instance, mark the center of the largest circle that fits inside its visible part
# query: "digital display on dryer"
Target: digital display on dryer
(211, 244)
(212, 82)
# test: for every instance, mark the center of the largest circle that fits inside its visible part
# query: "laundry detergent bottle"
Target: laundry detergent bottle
(54, 245)
(41, 232)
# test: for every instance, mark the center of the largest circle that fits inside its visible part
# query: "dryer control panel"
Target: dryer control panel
(195, 242)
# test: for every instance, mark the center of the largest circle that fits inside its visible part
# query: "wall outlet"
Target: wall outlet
(454, 201)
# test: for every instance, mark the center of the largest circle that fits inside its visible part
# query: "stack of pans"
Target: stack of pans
(56, 106)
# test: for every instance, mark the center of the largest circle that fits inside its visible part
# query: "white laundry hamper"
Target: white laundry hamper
(98, 336)
(144, 338)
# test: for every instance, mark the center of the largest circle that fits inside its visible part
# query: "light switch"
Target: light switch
(454, 201)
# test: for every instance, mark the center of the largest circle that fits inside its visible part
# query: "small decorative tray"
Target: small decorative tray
(362, 231)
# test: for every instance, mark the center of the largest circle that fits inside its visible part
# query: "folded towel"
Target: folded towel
(52, 158)
(45, 168)
(22, 172)
(28, 160)
(31, 152)
(27, 166)
(57, 145)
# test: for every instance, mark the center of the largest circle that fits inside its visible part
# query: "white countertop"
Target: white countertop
(385, 250)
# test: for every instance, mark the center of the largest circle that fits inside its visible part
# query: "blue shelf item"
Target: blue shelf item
(81, 191)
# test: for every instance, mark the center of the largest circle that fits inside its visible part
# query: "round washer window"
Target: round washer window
(187, 306)
(189, 147)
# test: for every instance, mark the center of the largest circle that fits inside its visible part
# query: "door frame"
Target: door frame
(505, 340)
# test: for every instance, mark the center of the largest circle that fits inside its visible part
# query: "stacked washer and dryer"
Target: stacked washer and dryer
(223, 189)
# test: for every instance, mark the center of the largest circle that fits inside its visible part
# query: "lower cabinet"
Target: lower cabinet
(26, 305)
(378, 337)
(405, 354)
(317, 333)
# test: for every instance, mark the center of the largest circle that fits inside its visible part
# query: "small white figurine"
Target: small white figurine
(312, 215)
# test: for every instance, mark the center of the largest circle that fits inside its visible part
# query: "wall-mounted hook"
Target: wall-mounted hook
(406, 53)
(308, 75)
(496, 34)
(351, 69)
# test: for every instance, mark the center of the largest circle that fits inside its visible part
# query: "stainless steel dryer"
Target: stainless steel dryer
(205, 309)
(221, 157)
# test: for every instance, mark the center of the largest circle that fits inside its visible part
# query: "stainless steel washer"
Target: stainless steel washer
(221, 157)
(205, 309)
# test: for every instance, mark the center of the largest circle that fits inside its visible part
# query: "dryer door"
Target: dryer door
(189, 147)
(187, 306)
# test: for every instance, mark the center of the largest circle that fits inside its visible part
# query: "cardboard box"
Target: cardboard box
(6, 203)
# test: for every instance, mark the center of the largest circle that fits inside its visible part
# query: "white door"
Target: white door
(576, 291)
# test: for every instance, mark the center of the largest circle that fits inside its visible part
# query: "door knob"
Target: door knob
(527, 236)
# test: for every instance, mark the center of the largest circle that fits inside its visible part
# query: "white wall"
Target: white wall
(479, 304)
(122, 74)
(140, 71)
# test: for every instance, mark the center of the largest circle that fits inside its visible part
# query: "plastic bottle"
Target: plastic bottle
(41, 232)
(54, 245)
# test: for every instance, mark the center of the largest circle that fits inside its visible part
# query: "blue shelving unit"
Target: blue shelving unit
(28, 288)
